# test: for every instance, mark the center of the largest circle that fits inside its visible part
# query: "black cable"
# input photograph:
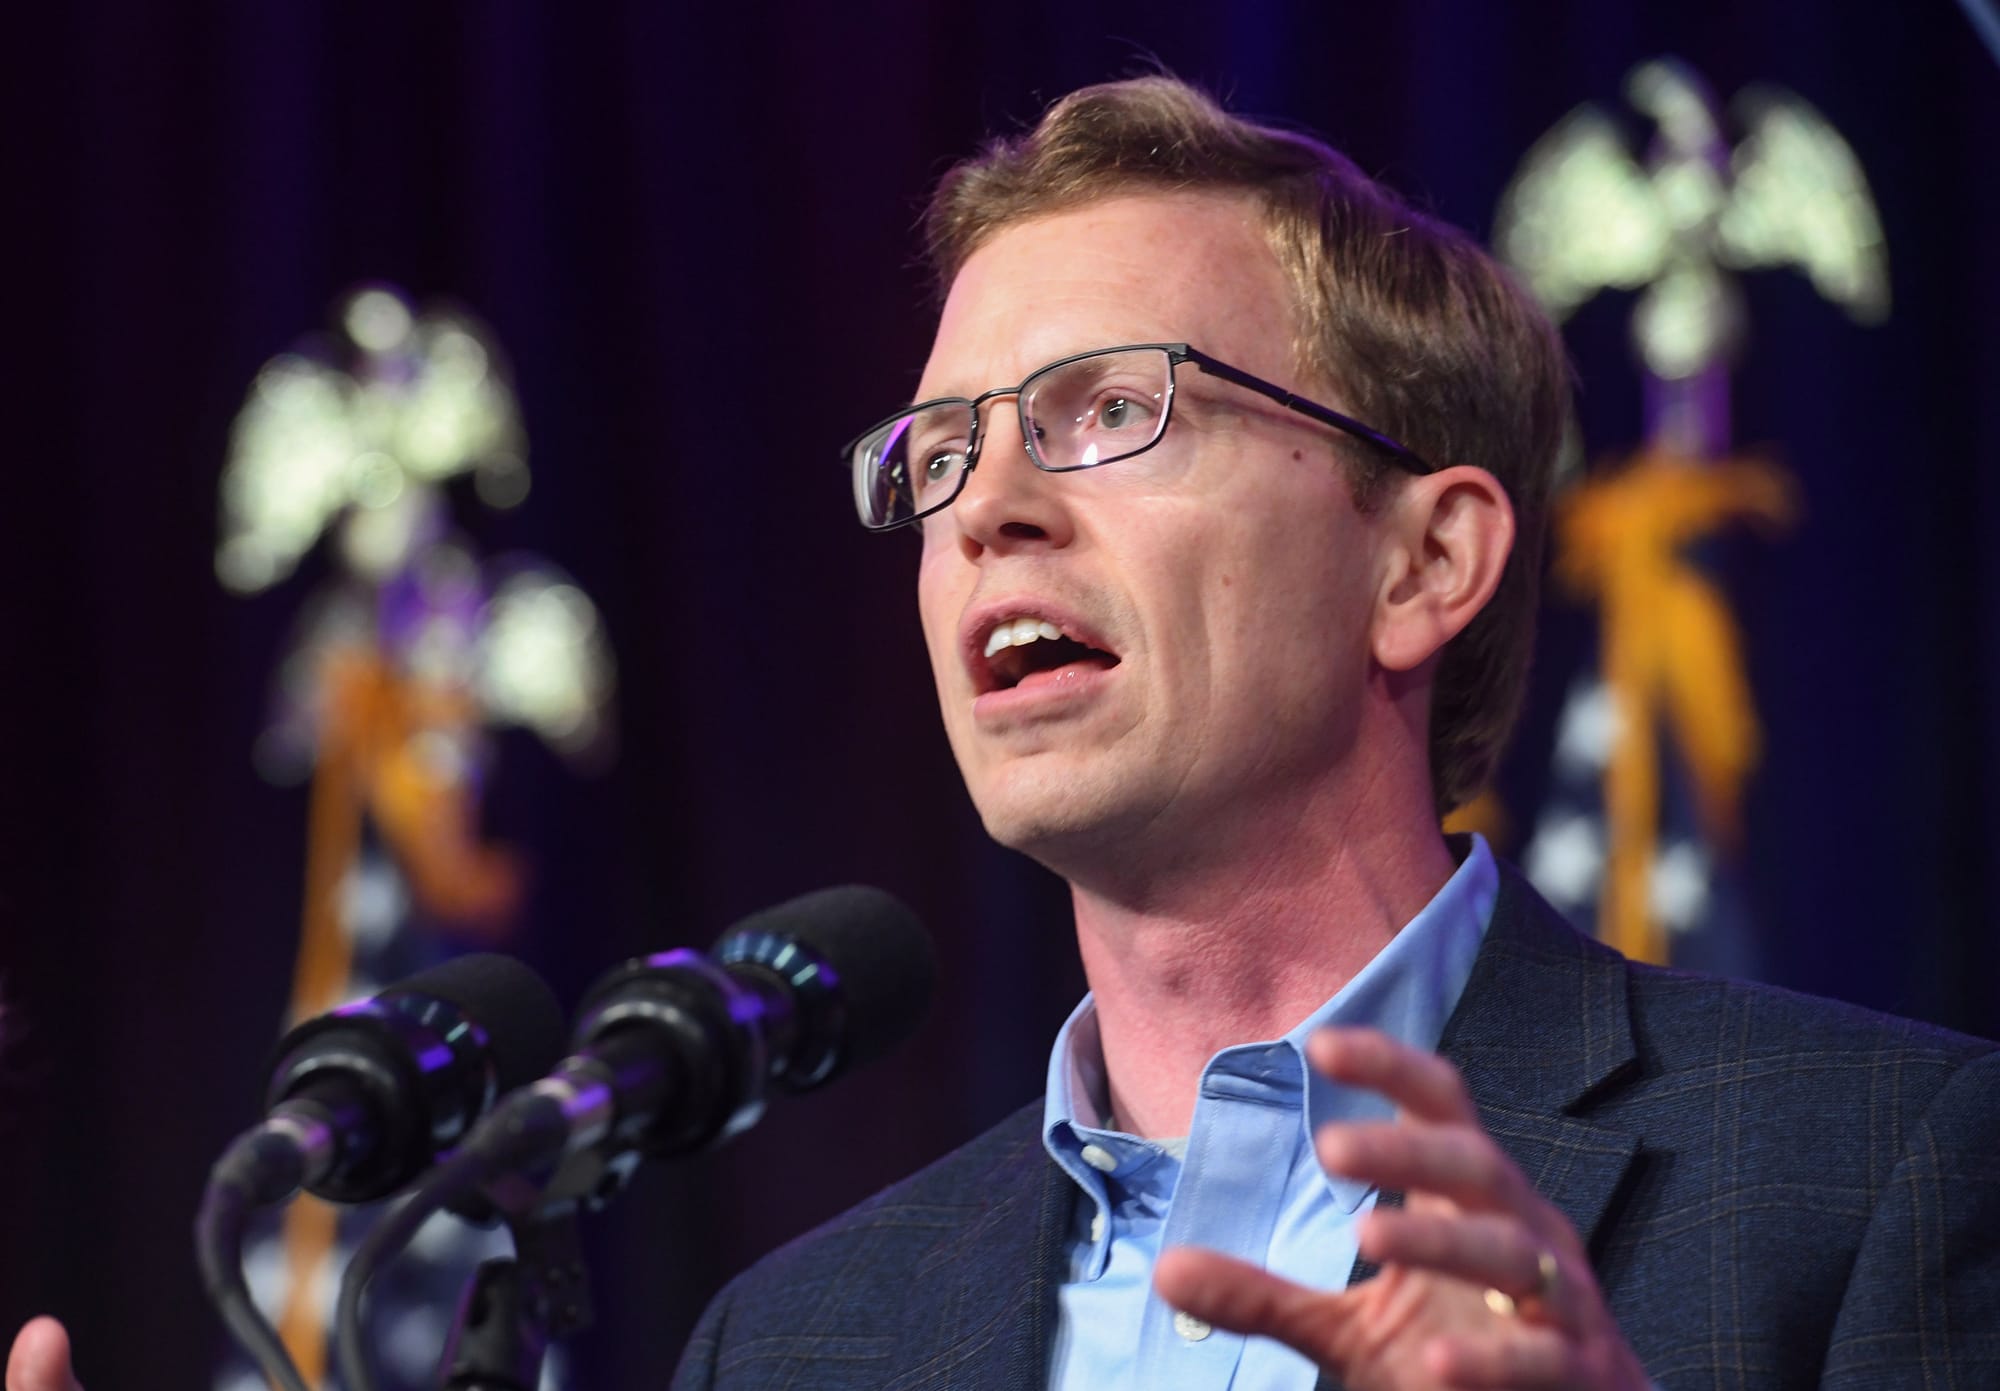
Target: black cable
(527, 1129)
(262, 1167)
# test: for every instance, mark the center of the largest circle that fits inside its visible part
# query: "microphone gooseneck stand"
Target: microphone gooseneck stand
(258, 1169)
(511, 1308)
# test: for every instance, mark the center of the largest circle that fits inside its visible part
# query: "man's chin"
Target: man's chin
(1066, 825)
(1023, 809)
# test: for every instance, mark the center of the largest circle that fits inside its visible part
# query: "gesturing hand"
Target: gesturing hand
(1482, 1282)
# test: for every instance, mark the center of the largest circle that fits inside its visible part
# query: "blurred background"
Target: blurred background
(685, 238)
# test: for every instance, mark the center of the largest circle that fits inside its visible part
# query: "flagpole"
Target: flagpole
(325, 962)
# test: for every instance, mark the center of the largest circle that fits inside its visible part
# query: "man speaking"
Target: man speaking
(1231, 473)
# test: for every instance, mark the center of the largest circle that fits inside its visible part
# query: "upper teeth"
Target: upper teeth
(1019, 632)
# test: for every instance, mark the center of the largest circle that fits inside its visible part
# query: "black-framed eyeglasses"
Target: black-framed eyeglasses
(1078, 412)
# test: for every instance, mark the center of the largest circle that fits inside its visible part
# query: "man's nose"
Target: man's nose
(1007, 502)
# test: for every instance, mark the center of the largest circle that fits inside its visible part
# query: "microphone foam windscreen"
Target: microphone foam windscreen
(513, 1005)
(880, 955)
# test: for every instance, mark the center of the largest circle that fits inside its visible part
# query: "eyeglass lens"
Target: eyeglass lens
(1097, 409)
(1078, 414)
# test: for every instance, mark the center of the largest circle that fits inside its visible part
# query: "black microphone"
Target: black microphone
(670, 1053)
(680, 1050)
(364, 1098)
(367, 1095)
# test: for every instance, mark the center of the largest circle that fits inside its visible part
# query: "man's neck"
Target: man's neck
(1188, 969)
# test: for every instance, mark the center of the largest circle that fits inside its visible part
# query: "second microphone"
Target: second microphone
(677, 1051)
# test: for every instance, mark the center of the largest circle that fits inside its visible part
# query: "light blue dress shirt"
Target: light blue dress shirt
(1245, 1180)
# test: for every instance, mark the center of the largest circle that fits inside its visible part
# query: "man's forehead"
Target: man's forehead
(1137, 267)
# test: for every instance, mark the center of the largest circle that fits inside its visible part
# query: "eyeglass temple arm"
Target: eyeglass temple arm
(1402, 454)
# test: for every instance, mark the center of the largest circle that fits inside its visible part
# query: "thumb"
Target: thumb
(40, 1359)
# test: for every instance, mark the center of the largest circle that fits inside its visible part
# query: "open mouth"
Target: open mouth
(1021, 653)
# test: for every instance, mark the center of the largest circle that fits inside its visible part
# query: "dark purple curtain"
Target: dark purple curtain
(693, 235)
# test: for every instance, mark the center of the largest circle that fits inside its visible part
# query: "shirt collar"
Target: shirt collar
(1407, 991)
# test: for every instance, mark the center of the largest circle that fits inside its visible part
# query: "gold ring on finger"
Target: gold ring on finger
(1547, 1271)
(1540, 1302)
(1547, 1274)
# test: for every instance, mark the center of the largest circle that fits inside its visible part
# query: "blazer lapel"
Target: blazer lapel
(987, 1310)
(1021, 1352)
(1541, 1033)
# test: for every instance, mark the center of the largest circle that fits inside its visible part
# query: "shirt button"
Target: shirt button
(1100, 1158)
(1190, 1327)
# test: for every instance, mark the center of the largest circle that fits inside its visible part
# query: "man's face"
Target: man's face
(1214, 594)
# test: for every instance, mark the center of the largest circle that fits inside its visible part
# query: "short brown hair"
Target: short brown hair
(1430, 340)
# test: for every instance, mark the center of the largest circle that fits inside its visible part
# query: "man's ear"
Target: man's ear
(1446, 537)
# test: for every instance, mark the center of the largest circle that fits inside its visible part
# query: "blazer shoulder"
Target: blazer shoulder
(1679, 1014)
(1678, 1011)
(837, 1300)
(1554, 1019)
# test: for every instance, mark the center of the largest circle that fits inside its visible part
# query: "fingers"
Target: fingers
(40, 1359)
(1436, 1146)
(1457, 1162)
(1516, 1360)
(1507, 1295)
(1244, 1298)
(1491, 1251)
(1421, 1084)
(1479, 1250)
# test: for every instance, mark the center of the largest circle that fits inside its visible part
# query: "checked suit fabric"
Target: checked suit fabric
(1776, 1191)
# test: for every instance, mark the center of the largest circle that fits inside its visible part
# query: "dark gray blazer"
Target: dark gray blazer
(1776, 1191)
